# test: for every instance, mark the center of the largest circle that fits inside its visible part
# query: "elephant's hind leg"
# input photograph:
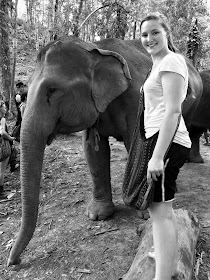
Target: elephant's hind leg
(101, 205)
(195, 155)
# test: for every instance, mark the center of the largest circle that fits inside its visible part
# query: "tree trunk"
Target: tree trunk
(121, 23)
(30, 20)
(50, 19)
(14, 59)
(5, 52)
(143, 267)
(76, 19)
(67, 19)
(134, 31)
(56, 28)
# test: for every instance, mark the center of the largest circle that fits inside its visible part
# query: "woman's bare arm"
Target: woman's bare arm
(172, 84)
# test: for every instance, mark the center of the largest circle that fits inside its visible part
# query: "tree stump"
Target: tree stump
(143, 267)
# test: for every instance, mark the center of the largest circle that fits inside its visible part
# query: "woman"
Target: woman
(4, 134)
(164, 91)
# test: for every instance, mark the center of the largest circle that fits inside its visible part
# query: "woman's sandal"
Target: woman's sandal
(151, 253)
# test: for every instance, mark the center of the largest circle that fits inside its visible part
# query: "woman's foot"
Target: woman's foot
(151, 254)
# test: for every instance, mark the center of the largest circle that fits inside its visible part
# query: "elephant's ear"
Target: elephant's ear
(110, 79)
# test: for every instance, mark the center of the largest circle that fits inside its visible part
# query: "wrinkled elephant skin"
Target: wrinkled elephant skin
(201, 119)
(87, 86)
(99, 210)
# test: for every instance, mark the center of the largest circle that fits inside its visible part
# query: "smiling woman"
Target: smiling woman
(156, 31)
(164, 92)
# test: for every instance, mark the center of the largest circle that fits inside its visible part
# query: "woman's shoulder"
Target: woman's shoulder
(174, 57)
(174, 62)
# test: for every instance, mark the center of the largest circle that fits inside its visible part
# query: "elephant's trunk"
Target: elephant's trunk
(31, 159)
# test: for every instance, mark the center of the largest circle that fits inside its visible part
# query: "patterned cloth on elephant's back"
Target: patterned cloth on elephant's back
(136, 192)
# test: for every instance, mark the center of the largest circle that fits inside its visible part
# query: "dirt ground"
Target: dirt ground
(66, 244)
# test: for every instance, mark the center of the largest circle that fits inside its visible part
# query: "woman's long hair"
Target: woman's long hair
(161, 19)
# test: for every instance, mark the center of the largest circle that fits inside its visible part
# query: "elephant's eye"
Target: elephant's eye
(51, 90)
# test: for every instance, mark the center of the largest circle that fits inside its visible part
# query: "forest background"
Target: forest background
(27, 25)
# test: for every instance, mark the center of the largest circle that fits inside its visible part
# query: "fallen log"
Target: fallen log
(143, 267)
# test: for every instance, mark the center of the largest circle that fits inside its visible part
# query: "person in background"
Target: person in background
(164, 91)
(206, 136)
(4, 134)
(20, 100)
(20, 90)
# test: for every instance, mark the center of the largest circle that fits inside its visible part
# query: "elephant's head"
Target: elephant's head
(72, 83)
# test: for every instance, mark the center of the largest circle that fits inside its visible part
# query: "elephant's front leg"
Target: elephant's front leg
(101, 205)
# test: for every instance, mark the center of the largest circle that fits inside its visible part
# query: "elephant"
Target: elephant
(201, 119)
(83, 86)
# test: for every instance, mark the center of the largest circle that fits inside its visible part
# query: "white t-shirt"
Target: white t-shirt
(154, 102)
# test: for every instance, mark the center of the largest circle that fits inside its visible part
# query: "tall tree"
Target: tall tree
(14, 25)
(119, 25)
(30, 18)
(77, 13)
(5, 50)
(194, 43)
(50, 22)
(56, 27)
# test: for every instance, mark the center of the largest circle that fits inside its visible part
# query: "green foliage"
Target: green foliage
(98, 19)
(194, 43)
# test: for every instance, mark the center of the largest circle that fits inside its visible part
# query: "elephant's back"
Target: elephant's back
(202, 114)
(205, 77)
(194, 93)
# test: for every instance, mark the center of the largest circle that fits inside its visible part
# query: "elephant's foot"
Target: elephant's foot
(13, 261)
(196, 159)
(100, 210)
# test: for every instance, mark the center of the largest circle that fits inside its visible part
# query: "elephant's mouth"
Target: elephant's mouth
(51, 138)
(61, 129)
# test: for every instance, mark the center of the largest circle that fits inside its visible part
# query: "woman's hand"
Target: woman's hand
(11, 138)
(7, 136)
(155, 169)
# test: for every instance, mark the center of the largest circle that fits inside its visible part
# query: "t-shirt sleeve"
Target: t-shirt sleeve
(174, 63)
